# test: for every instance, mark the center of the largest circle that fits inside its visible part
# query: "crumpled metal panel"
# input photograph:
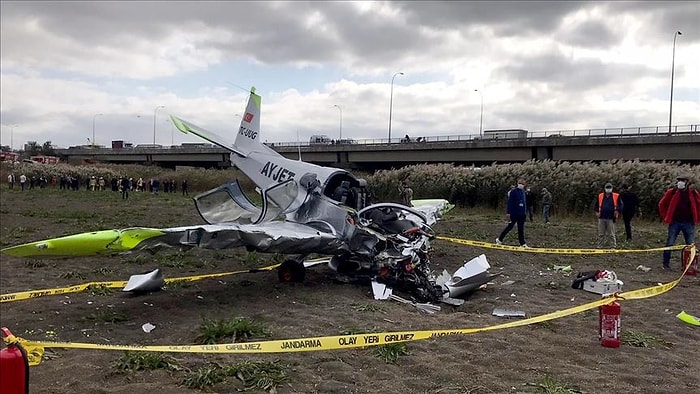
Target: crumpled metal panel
(276, 237)
(322, 207)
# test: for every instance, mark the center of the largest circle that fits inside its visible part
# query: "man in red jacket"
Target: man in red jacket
(680, 208)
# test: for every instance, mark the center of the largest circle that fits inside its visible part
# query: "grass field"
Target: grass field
(658, 354)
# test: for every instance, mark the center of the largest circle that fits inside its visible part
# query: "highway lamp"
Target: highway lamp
(481, 117)
(673, 68)
(154, 122)
(341, 121)
(12, 137)
(391, 102)
(93, 128)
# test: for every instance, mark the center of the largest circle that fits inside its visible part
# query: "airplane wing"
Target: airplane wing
(273, 237)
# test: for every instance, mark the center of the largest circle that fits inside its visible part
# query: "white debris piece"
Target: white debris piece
(381, 292)
(467, 278)
(148, 327)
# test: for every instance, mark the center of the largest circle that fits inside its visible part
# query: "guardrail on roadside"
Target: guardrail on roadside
(693, 129)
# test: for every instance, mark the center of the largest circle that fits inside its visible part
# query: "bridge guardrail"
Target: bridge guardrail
(597, 133)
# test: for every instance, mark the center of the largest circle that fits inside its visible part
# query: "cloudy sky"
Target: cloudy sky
(536, 65)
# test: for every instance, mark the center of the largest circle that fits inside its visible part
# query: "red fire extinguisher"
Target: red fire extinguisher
(14, 366)
(693, 269)
(609, 324)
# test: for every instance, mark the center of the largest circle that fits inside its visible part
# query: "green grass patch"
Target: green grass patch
(34, 264)
(231, 330)
(178, 284)
(254, 375)
(145, 361)
(391, 352)
(104, 271)
(259, 375)
(548, 325)
(367, 308)
(352, 331)
(551, 386)
(98, 290)
(640, 339)
(107, 317)
(204, 377)
(72, 274)
(139, 259)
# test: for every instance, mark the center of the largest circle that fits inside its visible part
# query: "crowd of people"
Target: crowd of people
(679, 209)
(99, 183)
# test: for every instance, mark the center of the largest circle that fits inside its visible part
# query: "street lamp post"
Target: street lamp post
(391, 102)
(341, 121)
(481, 117)
(154, 122)
(93, 128)
(673, 68)
(12, 137)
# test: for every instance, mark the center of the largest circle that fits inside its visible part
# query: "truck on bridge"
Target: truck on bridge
(505, 134)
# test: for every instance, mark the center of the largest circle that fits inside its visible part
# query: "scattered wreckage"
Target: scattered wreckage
(306, 210)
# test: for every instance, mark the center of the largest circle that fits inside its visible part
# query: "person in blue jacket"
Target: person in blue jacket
(517, 213)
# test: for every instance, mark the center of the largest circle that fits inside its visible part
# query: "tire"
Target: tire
(291, 271)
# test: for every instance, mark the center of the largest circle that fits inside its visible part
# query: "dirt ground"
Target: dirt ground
(506, 361)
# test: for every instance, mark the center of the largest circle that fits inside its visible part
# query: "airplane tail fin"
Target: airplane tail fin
(248, 137)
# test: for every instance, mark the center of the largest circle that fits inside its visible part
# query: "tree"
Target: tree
(32, 148)
(47, 149)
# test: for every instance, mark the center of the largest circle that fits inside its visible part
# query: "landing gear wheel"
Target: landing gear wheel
(291, 271)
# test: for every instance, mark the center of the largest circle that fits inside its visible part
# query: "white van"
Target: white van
(320, 139)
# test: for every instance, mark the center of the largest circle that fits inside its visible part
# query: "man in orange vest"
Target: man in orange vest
(607, 208)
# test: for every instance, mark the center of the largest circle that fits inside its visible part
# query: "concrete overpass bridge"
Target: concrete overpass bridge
(646, 144)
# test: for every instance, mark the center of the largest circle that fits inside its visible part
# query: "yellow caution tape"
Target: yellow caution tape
(554, 250)
(26, 295)
(346, 341)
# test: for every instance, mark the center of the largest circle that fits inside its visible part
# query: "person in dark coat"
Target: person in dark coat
(630, 207)
(530, 201)
(516, 209)
(125, 188)
(184, 188)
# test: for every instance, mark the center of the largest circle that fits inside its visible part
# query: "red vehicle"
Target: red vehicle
(9, 156)
(45, 159)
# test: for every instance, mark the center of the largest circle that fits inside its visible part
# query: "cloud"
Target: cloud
(538, 65)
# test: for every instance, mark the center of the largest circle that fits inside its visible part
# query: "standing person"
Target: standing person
(530, 202)
(517, 212)
(125, 188)
(184, 188)
(546, 203)
(680, 209)
(630, 207)
(22, 181)
(607, 209)
(11, 181)
(406, 194)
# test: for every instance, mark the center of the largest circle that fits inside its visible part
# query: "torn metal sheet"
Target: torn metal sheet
(432, 209)
(381, 291)
(150, 281)
(468, 278)
(507, 313)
